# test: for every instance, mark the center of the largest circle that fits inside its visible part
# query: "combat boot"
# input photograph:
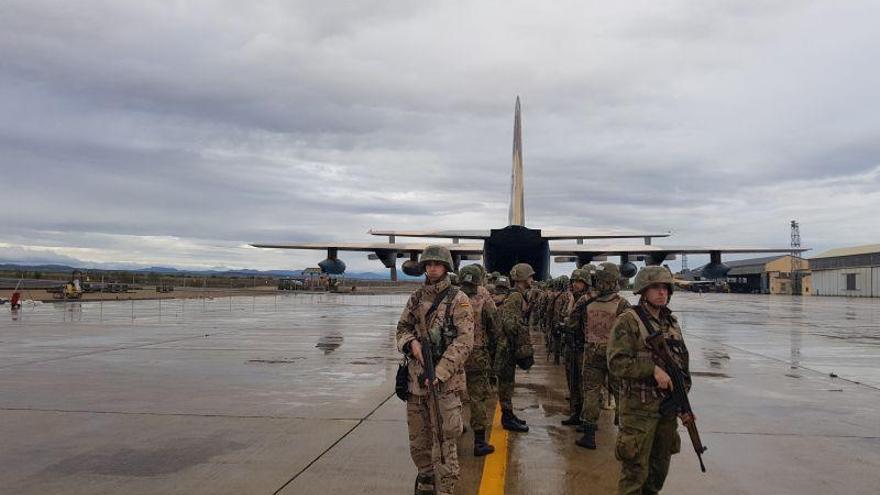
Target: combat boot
(583, 427)
(424, 484)
(588, 441)
(518, 419)
(509, 422)
(573, 420)
(481, 448)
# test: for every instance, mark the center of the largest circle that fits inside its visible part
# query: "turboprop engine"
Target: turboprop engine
(715, 268)
(332, 266)
(411, 268)
(628, 269)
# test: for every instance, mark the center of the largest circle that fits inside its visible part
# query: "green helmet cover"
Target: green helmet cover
(521, 272)
(651, 275)
(437, 253)
(470, 275)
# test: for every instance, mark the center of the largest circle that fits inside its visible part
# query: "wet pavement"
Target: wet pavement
(293, 394)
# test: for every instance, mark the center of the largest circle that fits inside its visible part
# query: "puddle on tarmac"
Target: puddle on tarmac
(329, 343)
(275, 361)
(182, 454)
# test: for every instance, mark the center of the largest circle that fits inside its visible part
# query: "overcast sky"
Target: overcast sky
(175, 133)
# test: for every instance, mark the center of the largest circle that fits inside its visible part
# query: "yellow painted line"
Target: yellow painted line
(495, 466)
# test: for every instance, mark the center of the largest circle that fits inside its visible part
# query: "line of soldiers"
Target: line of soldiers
(479, 329)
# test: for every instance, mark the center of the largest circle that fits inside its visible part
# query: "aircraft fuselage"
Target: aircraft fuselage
(517, 244)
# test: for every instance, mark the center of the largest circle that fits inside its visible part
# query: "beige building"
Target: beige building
(852, 271)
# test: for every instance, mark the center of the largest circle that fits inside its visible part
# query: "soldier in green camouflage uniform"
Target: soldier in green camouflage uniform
(597, 315)
(520, 353)
(450, 328)
(647, 440)
(533, 302)
(574, 345)
(558, 313)
(500, 290)
(487, 336)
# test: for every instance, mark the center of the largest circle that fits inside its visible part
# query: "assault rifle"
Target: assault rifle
(433, 398)
(677, 401)
(556, 341)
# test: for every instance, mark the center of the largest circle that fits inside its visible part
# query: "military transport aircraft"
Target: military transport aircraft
(500, 249)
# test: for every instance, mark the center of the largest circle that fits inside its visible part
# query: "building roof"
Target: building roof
(850, 251)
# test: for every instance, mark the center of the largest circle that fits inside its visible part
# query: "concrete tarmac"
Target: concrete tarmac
(293, 394)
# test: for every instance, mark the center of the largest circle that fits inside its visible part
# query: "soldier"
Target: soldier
(574, 344)
(479, 364)
(442, 314)
(647, 440)
(513, 314)
(502, 290)
(558, 312)
(550, 294)
(597, 316)
(491, 279)
(533, 302)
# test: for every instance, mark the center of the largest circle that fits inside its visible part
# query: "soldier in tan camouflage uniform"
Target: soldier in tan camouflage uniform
(520, 353)
(647, 439)
(487, 337)
(597, 315)
(450, 328)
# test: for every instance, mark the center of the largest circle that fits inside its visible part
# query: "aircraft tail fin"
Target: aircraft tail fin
(517, 213)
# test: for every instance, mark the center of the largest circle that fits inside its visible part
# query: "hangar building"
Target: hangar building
(769, 275)
(853, 271)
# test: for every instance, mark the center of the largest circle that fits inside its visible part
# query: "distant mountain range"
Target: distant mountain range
(57, 268)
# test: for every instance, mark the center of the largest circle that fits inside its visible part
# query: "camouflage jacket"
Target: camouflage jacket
(559, 309)
(573, 316)
(514, 312)
(488, 337)
(630, 359)
(412, 325)
(533, 306)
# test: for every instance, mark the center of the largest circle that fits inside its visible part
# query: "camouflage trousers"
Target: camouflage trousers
(506, 381)
(573, 360)
(645, 445)
(423, 446)
(479, 390)
(596, 377)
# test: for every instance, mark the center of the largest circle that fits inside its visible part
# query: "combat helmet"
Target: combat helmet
(582, 275)
(453, 279)
(470, 275)
(521, 272)
(562, 282)
(502, 282)
(435, 252)
(651, 275)
(482, 270)
(606, 277)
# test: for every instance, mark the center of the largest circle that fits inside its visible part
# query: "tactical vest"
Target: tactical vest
(647, 389)
(600, 319)
(440, 327)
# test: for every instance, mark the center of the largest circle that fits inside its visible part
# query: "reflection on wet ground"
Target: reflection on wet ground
(249, 394)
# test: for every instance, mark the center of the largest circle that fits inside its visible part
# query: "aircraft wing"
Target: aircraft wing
(635, 249)
(450, 234)
(558, 234)
(418, 247)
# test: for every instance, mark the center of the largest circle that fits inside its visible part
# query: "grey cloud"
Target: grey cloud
(206, 125)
